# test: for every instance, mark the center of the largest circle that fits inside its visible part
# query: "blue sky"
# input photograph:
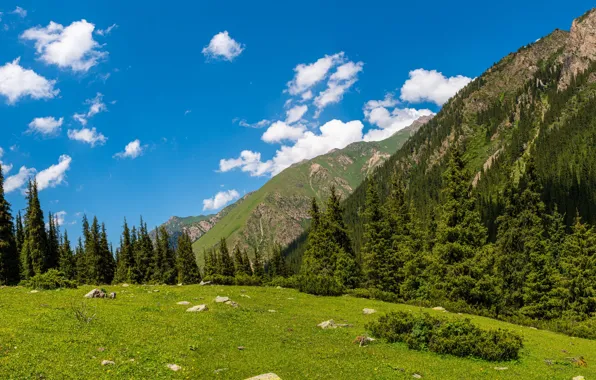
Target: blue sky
(124, 109)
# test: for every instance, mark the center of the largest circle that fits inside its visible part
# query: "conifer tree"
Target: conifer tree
(168, 260)
(227, 264)
(107, 264)
(144, 254)
(126, 266)
(33, 254)
(53, 247)
(67, 263)
(257, 265)
(9, 258)
(19, 233)
(210, 262)
(188, 270)
(246, 264)
(81, 261)
(238, 261)
(277, 264)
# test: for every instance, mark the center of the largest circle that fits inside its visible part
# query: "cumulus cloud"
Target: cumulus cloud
(308, 75)
(294, 114)
(338, 84)
(17, 181)
(432, 86)
(86, 135)
(59, 217)
(334, 134)
(280, 131)
(47, 126)
(222, 46)
(220, 199)
(67, 47)
(5, 167)
(96, 105)
(20, 12)
(258, 124)
(106, 31)
(17, 82)
(132, 150)
(55, 174)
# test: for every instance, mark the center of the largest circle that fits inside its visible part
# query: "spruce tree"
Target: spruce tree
(67, 263)
(168, 259)
(246, 264)
(34, 253)
(238, 261)
(107, 264)
(209, 268)
(257, 265)
(144, 254)
(9, 257)
(19, 233)
(277, 264)
(188, 270)
(126, 266)
(81, 261)
(227, 264)
(53, 247)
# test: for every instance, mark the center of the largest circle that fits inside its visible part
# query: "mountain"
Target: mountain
(278, 211)
(537, 104)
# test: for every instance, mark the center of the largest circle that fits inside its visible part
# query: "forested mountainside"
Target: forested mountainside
(278, 212)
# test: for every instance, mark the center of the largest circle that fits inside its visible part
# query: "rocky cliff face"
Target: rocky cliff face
(580, 49)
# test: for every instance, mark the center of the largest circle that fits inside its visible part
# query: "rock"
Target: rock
(95, 293)
(219, 299)
(183, 303)
(232, 303)
(34, 291)
(417, 376)
(272, 311)
(241, 348)
(156, 290)
(220, 370)
(113, 295)
(278, 287)
(174, 367)
(244, 295)
(439, 308)
(197, 308)
(330, 324)
(578, 378)
(368, 311)
(501, 368)
(265, 376)
(363, 340)
(179, 284)
(202, 283)
(107, 362)
(125, 285)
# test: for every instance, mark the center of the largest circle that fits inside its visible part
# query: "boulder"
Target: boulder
(244, 295)
(174, 367)
(366, 311)
(183, 303)
(95, 293)
(417, 376)
(197, 308)
(330, 324)
(219, 299)
(363, 340)
(578, 378)
(232, 303)
(107, 362)
(439, 308)
(265, 376)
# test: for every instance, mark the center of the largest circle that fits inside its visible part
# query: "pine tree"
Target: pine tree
(144, 254)
(227, 264)
(210, 263)
(257, 265)
(188, 270)
(67, 263)
(19, 233)
(277, 264)
(34, 252)
(168, 259)
(246, 264)
(107, 264)
(53, 247)
(238, 261)
(81, 261)
(9, 258)
(126, 266)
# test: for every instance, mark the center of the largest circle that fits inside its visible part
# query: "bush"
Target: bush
(374, 294)
(440, 335)
(285, 282)
(52, 279)
(246, 280)
(320, 285)
(218, 279)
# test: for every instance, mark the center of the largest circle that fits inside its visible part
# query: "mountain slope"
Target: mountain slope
(278, 211)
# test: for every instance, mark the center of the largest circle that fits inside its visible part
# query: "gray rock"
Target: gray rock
(125, 285)
(34, 291)
(95, 293)
(107, 362)
(202, 283)
(265, 376)
(244, 295)
(366, 311)
(174, 367)
(501, 368)
(417, 376)
(232, 303)
(219, 299)
(440, 308)
(197, 308)
(272, 311)
(183, 303)
(330, 324)
(113, 295)
(579, 378)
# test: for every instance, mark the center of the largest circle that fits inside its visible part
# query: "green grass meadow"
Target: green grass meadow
(143, 330)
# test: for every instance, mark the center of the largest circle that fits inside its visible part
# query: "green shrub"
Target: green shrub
(285, 282)
(444, 336)
(218, 279)
(246, 280)
(374, 294)
(320, 285)
(52, 279)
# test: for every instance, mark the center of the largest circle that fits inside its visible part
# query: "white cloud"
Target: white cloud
(223, 46)
(17, 82)
(17, 181)
(46, 125)
(294, 114)
(59, 217)
(220, 199)
(20, 12)
(67, 47)
(187, 112)
(55, 174)
(258, 124)
(96, 105)
(306, 95)
(106, 31)
(334, 134)
(308, 75)
(5, 167)
(280, 131)
(424, 85)
(132, 150)
(338, 84)
(86, 135)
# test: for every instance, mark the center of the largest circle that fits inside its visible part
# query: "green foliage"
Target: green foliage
(188, 270)
(52, 279)
(320, 285)
(66, 262)
(9, 259)
(444, 336)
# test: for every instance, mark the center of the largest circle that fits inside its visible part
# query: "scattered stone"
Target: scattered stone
(101, 349)
(501, 368)
(183, 303)
(156, 290)
(265, 376)
(197, 308)
(330, 324)
(417, 376)
(131, 360)
(219, 299)
(244, 295)
(363, 340)
(366, 311)
(272, 311)
(95, 293)
(241, 348)
(232, 303)
(174, 367)
(202, 283)
(34, 291)
(440, 308)
(125, 285)
(579, 378)
(113, 295)
(107, 362)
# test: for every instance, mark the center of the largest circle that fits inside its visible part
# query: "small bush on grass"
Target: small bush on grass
(444, 336)
(52, 279)
(374, 294)
(245, 280)
(320, 285)
(285, 282)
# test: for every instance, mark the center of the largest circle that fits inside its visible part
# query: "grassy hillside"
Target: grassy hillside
(144, 329)
(279, 210)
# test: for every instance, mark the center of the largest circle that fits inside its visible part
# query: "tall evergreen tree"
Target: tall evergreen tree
(238, 261)
(107, 263)
(19, 232)
(9, 258)
(277, 264)
(34, 251)
(257, 265)
(144, 254)
(53, 246)
(168, 259)
(210, 263)
(67, 262)
(188, 270)
(227, 264)
(246, 264)
(81, 261)
(126, 266)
